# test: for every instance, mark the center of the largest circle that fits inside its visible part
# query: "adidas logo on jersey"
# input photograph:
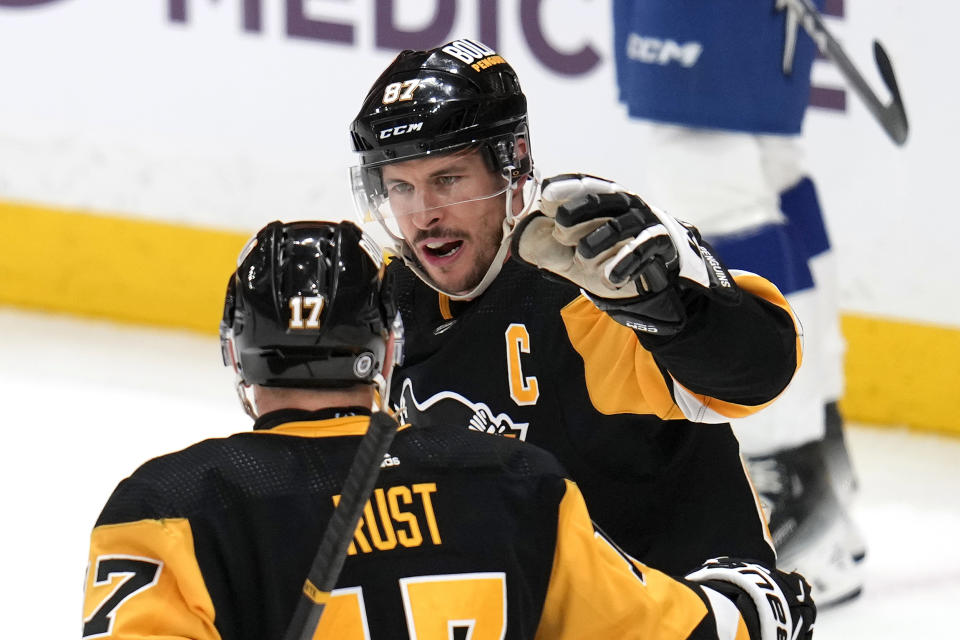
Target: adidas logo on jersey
(640, 326)
(389, 461)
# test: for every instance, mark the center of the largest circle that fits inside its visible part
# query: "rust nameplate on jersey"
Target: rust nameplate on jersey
(390, 526)
(476, 54)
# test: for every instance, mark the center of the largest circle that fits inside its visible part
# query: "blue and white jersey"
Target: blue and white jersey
(716, 64)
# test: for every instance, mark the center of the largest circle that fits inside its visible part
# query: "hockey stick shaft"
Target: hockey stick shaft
(892, 117)
(357, 488)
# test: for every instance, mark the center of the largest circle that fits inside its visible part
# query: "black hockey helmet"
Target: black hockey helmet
(305, 308)
(459, 94)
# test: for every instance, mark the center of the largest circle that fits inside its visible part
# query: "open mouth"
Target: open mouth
(438, 249)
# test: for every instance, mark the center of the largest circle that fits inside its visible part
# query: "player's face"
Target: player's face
(446, 213)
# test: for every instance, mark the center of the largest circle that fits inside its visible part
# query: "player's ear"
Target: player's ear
(522, 150)
(522, 153)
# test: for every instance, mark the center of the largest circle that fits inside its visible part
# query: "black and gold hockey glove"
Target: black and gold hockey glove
(634, 262)
(773, 604)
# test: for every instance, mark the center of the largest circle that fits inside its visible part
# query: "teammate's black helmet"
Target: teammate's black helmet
(305, 308)
(425, 102)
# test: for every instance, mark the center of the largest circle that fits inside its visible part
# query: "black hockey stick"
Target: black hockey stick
(892, 117)
(357, 488)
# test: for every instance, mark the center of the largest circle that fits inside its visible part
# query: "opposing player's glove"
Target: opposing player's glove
(635, 262)
(774, 605)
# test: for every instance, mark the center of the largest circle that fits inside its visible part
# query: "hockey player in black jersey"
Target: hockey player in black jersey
(629, 334)
(466, 535)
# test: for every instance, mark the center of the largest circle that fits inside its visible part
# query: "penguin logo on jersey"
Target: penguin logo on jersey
(452, 408)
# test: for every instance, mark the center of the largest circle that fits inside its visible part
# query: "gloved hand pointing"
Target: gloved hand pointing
(632, 260)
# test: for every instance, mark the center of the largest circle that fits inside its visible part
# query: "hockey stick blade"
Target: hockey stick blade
(893, 116)
(897, 127)
(357, 488)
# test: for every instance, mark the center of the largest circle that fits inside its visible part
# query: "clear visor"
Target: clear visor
(392, 194)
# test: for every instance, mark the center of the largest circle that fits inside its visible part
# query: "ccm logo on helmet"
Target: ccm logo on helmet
(401, 129)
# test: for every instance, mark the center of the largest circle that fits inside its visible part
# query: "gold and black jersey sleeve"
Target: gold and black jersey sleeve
(143, 581)
(730, 361)
(597, 591)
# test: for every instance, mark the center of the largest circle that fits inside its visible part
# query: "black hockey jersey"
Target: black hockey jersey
(533, 359)
(466, 535)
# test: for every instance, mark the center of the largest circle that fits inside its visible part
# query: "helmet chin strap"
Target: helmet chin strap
(244, 390)
(393, 357)
(509, 222)
(245, 393)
